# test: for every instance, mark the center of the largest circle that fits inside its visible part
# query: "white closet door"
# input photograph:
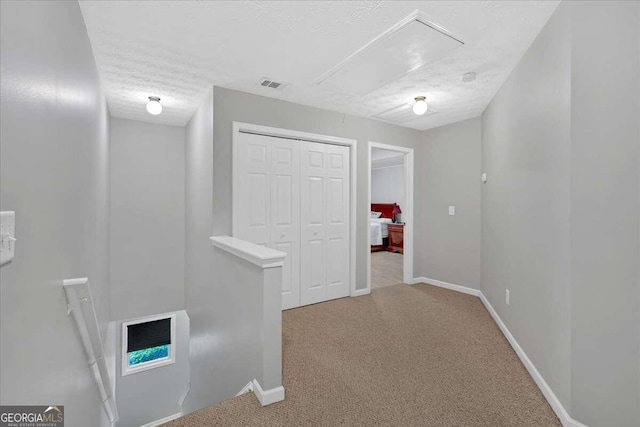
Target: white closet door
(337, 219)
(285, 215)
(252, 197)
(324, 217)
(266, 202)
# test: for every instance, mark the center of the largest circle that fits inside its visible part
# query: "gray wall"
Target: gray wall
(151, 395)
(605, 143)
(526, 203)
(230, 106)
(387, 185)
(448, 170)
(54, 172)
(147, 218)
(560, 211)
(223, 303)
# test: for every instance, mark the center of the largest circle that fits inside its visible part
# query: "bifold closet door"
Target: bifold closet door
(325, 222)
(266, 202)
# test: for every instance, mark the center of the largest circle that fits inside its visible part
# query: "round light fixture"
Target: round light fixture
(420, 107)
(153, 106)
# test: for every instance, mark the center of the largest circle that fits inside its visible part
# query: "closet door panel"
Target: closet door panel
(252, 200)
(285, 215)
(337, 212)
(313, 264)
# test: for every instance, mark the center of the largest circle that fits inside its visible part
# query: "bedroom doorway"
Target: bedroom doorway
(390, 198)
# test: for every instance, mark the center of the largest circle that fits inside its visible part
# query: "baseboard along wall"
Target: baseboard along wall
(547, 392)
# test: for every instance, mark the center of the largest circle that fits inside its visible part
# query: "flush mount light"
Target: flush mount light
(153, 106)
(420, 106)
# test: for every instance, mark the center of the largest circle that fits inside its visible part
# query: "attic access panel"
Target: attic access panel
(409, 45)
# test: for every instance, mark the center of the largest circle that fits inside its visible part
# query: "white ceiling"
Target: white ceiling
(178, 49)
(381, 158)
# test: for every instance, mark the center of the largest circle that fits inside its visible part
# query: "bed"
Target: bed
(378, 226)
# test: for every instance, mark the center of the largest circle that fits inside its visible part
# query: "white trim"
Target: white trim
(267, 397)
(361, 292)
(163, 420)
(185, 393)
(80, 305)
(407, 211)
(259, 255)
(125, 369)
(246, 389)
(446, 285)
(547, 392)
(553, 400)
(239, 127)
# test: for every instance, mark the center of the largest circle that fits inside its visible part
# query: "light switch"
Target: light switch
(484, 177)
(452, 210)
(7, 236)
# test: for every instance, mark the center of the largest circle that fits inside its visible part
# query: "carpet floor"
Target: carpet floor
(403, 356)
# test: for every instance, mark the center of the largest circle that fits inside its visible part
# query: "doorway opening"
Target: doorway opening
(390, 198)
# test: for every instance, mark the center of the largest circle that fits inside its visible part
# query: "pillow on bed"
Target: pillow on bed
(376, 214)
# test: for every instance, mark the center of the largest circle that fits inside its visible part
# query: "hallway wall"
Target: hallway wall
(449, 175)
(560, 225)
(54, 172)
(233, 106)
(147, 218)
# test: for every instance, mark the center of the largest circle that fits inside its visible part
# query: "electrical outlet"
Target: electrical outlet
(506, 297)
(452, 210)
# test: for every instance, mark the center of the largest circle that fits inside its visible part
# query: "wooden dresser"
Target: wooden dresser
(396, 238)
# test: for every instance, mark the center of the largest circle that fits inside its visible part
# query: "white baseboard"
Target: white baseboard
(360, 292)
(451, 286)
(267, 397)
(246, 389)
(163, 420)
(553, 400)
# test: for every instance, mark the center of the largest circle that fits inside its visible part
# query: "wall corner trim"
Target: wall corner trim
(267, 397)
(549, 395)
(246, 389)
(259, 255)
(163, 420)
(446, 285)
(360, 292)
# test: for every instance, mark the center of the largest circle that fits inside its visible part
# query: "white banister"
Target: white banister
(259, 255)
(80, 304)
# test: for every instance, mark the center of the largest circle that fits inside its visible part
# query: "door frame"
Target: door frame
(240, 127)
(407, 212)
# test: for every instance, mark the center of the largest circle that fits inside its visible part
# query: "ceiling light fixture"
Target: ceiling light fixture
(420, 107)
(153, 106)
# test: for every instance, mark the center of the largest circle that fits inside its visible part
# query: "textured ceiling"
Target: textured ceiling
(178, 49)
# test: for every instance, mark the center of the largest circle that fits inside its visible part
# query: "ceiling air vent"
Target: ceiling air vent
(271, 84)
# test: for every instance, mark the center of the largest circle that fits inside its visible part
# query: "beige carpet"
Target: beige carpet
(386, 269)
(402, 356)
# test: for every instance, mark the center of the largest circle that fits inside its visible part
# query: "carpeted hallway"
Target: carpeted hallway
(403, 356)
